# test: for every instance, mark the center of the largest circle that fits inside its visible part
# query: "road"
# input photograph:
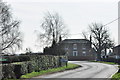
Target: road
(88, 70)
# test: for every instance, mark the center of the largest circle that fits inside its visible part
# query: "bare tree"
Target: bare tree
(53, 27)
(85, 35)
(10, 36)
(100, 38)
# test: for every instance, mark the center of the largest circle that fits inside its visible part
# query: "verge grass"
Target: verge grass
(53, 70)
(116, 76)
(112, 63)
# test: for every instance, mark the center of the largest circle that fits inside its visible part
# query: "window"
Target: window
(74, 46)
(75, 53)
(84, 53)
(84, 48)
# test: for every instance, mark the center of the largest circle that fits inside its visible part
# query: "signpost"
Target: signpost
(64, 60)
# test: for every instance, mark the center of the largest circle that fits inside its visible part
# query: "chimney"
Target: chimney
(90, 41)
(60, 38)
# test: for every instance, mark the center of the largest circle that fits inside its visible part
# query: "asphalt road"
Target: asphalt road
(88, 70)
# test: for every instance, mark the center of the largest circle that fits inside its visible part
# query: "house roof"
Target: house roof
(117, 46)
(75, 41)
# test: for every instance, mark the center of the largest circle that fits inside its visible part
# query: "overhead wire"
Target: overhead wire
(103, 25)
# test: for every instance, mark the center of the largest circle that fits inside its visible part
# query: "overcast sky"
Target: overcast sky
(77, 15)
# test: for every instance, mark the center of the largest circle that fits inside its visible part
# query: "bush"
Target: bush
(37, 63)
(24, 68)
(17, 70)
(24, 58)
(30, 66)
(8, 71)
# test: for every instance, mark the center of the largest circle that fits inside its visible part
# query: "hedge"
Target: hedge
(36, 63)
(109, 59)
(12, 59)
(8, 71)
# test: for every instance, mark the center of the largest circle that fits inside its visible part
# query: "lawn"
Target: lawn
(59, 69)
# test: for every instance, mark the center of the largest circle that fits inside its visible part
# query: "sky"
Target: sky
(77, 15)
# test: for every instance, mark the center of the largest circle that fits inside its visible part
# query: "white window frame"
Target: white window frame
(84, 53)
(75, 53)
(74, 46)
(84, 48)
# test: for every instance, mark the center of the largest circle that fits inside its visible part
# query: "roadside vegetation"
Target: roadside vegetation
(70, 66)
(105, 62)
(117, 75)
(49, 71)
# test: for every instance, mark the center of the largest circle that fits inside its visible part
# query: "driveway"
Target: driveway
(88, 70)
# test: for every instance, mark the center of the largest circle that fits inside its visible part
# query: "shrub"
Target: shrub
(24, 68)
(24, 58)
(17, 70)
(30, 66)
(8, 71)
(37, 63)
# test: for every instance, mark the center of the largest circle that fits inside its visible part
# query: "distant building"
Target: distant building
(116, 51)
(78, 49)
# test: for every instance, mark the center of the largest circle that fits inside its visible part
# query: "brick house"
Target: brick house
(116, 51)
(78, 49)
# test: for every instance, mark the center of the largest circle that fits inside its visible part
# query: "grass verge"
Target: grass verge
(116, 76)
(59, 69)
(105, 62)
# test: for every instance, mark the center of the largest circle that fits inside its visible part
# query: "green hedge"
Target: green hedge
(12, 59)
(36, 63)
(8, 71)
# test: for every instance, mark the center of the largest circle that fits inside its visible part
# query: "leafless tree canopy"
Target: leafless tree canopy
(53, 27)
(100, 37)
(10, 39)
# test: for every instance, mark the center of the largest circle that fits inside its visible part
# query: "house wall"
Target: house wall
(84, 51)
(81, 58)
(116, 50)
